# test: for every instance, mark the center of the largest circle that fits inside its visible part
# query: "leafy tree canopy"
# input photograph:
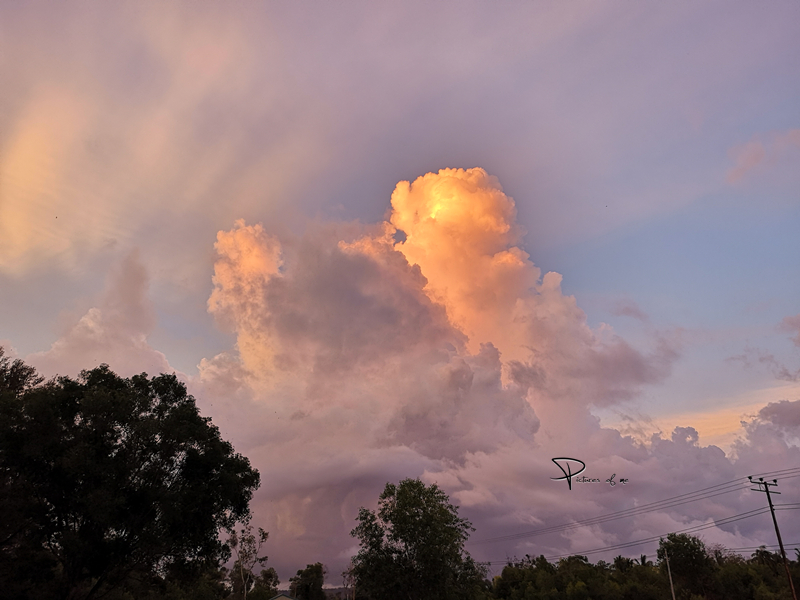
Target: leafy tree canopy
(689, 562)
(727, 576)
(307, 584)
(413, 547)
(16, 376)
(122, 479)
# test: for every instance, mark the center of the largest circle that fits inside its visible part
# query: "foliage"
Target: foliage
(349, 580)
(413, 547)
(689, 562)
(307, 584)
(247, 546)
(700, 573)
(125, 484)
(16, 376)
(265, 585)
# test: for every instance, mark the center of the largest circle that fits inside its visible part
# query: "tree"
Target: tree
(413, 547)
(247, 548)
(20, 536)
(124, 484)
(307, 584)
(623, 564)
(16, 376)
(266, 585)
(349, 581)
(691, 567)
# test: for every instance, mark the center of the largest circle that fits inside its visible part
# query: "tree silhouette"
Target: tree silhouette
(122, 480)
(413, 547)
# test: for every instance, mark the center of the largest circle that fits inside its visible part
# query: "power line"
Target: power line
(701, 494)
(777, 473)
(645, 508)
(765, 546)
(611, 517)
(701, 527)
(725, 521)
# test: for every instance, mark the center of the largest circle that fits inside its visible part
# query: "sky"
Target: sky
(426, 239)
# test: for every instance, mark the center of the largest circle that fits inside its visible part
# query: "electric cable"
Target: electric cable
(701, 494)
(701, 527)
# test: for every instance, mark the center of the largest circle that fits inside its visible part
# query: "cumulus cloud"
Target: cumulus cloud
(785, 414)
(113, 332)
(338, 324)
(461, 230)
(771, 438)
(361, 359)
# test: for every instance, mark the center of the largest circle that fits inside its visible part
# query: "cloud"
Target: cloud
(785, 414)
(771, 438)
(778, 369)
(133, 135)
(37, 219)
(629, 308)
(747, 157)
(757, 153)
(339, 324)
(114, 332)
(461, 230)
(791, 325)
(360, 359)
(336, 304)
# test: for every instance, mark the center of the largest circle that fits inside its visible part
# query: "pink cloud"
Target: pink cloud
(784, 414)
(791, 325)
(752, 155)
(629, 308)
(113, 332)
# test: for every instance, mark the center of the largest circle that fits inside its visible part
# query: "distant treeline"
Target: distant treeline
(698, 573)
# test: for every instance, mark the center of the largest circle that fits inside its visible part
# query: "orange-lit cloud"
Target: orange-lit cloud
(38, 220)
(461, 230)
(248, 259)
(460, 280)
(103, 143)
(445, 355)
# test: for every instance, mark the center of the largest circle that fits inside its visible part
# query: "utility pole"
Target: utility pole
(767, 485)
(669, 572)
